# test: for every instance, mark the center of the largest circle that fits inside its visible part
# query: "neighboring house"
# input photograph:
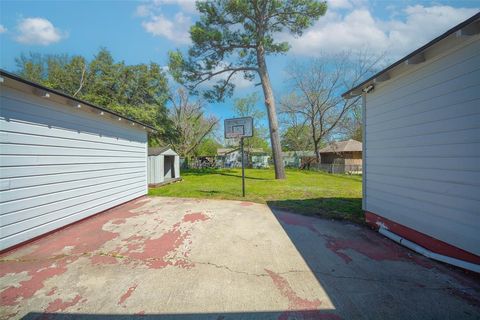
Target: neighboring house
(294, 159)
(342, 156)
(421, 159)
(163, 165)
(62, 159)
(232, 158)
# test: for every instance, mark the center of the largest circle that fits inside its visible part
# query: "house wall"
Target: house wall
(422, 146)
(60, 164)
(347, 158)
(354, 158)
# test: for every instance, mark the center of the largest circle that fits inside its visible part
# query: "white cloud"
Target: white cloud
(339, 4)
(240, 82)
(2, 29)
(38, 31)
(154, 7)
(143, 10)
(358, 28)
(185, 5)
(175, 29)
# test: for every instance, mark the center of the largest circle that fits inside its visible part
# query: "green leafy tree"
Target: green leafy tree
(297, 138)
(138, 91)
(235, 37)
(208, 147)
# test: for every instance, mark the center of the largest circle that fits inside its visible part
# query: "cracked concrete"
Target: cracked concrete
(172, 258)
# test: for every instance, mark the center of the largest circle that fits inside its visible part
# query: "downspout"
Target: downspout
(427, 253)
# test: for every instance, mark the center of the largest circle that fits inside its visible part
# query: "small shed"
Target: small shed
(163, 165)
(421, 149)
(62, 159)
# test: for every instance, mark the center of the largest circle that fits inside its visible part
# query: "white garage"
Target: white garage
(163, 165)
(421, 162)
(62, 160)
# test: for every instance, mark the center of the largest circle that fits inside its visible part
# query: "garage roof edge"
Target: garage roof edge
(7, 74)
(414, 53)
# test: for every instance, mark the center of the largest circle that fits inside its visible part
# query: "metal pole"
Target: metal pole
(243, 168)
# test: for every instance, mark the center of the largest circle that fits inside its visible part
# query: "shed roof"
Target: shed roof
(342, 146)
(12, 77)
(468, 27)
(155, 151)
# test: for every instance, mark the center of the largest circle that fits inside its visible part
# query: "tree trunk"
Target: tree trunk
(272, 115)
(315, 141)
(317, 152)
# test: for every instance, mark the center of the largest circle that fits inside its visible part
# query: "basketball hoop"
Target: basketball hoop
(239, 128)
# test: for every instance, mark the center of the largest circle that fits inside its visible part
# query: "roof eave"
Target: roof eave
(35, 85)
(464, 28)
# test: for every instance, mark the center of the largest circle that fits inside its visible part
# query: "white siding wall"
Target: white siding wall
(59, 164)
(423, 147)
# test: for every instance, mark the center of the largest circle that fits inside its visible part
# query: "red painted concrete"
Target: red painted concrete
(53, 254)
(246, 204)
(38, 272)
(82, 237)
(127, 294)
(60, 305)
(371, 245)
(381, 251)
(155, 253)
(421, 239)
(298, 308)
(52, 291)
(167, 242)
(155, 250)
(298, 220)
(101, 259)
(294, 301)
(194, 217)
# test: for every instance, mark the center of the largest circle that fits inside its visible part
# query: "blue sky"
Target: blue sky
(144, 31)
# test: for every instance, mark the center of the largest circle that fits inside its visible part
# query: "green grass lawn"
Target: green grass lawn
(306, 192)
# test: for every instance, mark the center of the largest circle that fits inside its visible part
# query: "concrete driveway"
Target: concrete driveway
(169, 258)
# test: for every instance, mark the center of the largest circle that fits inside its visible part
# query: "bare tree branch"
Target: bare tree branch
(317, 86)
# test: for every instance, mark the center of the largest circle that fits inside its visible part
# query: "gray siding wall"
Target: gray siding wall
(423, 147)
(59, 164)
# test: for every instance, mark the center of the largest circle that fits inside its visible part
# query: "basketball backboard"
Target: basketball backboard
(238, 127)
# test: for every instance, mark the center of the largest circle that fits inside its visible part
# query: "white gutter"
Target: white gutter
(427, 253)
